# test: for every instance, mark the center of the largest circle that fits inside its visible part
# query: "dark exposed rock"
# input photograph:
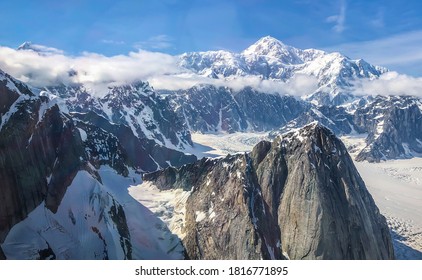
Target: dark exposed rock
(46, 254)
(333, 117)
(298, 197)
(2, 256)
(268, 111)
(116, 145)
(395, 128)
(39, 155)
(118, 216)
(209, 109)
(135, 105)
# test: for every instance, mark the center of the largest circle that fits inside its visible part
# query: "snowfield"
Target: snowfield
(395, 185)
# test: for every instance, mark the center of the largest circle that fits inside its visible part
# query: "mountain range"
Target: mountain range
(81, 169)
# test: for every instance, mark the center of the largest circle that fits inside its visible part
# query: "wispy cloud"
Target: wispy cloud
(395, 52)
(339, 20)
(159, 42)
(112, 42)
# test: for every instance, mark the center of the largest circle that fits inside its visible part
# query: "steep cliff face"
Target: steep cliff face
(209, 108)
(2, 256)
(268, 111)
(40, 153)
(299, 197)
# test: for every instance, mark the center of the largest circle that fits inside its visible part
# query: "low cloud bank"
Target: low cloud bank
(390, 83)
(298, 85)
(41, 69)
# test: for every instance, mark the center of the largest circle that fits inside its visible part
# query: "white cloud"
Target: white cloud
(161, 70)
(339, 19)
(41, 70)
(390, 83)
(159, 42)
(298, 85)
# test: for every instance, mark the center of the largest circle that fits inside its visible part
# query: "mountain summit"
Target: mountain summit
(269, 46)
(40, 49)
(271, 59)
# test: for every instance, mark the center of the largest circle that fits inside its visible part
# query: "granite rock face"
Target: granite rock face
(298, 197)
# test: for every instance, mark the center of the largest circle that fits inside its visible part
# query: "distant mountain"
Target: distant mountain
(390, 126)
(41, 50)
(394, 127)
(271, 59)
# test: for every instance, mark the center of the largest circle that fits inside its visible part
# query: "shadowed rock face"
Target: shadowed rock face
(208, 108)
(2, 256)
(40, 153)
(299, 197)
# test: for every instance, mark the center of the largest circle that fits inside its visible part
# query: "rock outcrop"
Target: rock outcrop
(298, 197)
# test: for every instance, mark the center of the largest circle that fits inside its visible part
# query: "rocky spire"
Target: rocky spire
(298, 197)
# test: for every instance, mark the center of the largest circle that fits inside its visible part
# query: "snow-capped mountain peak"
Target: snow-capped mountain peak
(267, 46)
(271, 47)
(40, 49)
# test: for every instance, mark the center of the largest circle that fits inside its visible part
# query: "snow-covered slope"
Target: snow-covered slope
(97, 219)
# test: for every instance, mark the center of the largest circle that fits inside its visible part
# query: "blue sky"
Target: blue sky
(383, 32)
